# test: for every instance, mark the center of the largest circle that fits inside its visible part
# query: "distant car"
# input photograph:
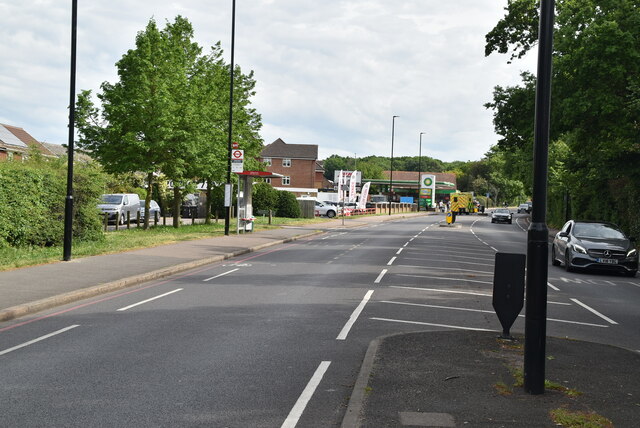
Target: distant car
(585, 244)
(117, 205)
(325, 209)
(502, 215)
(153, 209)
(524, 208)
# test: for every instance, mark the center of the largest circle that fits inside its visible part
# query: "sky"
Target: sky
(328, 72)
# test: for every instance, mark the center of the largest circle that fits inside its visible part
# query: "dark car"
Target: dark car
(502, 215)
(586, 244)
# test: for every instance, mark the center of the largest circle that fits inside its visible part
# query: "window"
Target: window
(286, 180)
(9, 155)
(267, 161)
(267, 180)
(286, 162)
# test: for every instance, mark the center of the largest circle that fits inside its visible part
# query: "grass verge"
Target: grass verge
(134, 238)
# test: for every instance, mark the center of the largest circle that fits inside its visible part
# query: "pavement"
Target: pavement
(424, 379)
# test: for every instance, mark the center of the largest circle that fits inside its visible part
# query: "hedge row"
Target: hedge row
(32, 202)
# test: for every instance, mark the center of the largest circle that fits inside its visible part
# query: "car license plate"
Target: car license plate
(608, 261)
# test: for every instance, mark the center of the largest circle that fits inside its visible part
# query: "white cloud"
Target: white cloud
(330, 73)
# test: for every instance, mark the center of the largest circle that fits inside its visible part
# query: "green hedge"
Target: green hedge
(32, 201)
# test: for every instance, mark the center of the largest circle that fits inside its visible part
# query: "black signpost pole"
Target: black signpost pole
(537, 235)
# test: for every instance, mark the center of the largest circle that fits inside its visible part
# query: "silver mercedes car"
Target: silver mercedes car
(586, 244)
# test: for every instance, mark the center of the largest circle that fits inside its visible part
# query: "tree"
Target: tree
(596, 75)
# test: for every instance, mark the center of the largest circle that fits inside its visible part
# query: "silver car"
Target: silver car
(585, 244)
(502, 215)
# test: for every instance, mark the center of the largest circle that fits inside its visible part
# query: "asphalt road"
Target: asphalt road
(276, 338)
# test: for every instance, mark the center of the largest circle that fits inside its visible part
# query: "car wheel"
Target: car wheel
(493, 221)
(121, 219)
(631, 273)
(554, 260)
(567, 262)
(331, 214)
(510, 222)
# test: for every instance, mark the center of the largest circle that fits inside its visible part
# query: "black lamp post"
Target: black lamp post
(227, 211)
(419, 169)
(68, 205)
(393, 123)
(535, 329)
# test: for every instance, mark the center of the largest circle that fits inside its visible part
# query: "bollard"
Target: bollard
(138, 218)
(128, 220)
(508, 289)
(164, 219)
(193, 216)
(155, 218)
(118, 217)
(270, 216)
(106, 221)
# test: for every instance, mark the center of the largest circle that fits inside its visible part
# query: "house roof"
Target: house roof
(14, 137)
(441, 177)
(280, 149)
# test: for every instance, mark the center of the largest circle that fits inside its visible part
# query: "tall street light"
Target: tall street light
(419, 169)
(227, 211)
(535, 329)
(393, 124)
(68, 205)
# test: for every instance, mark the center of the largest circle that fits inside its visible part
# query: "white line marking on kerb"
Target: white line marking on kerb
(31, 342)
(150, 300)
(379, 278)
(457, 327)
(222, 274)
(553, 286)
(399, 251)
(354, 316)
(298, 408)
(590, 309)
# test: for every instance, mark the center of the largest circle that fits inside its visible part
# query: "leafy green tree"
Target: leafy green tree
(264, 197)
(596, 75)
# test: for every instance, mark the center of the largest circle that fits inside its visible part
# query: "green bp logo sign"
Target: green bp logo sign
(428, 181)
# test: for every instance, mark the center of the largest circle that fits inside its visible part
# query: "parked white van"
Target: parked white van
(115, 204)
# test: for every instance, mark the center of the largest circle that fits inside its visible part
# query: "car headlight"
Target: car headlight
(579, 249)
(632, 253)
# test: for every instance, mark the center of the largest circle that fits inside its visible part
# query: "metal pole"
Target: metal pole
(393, 123)
(537, 235)
(227, 211)
(68, 203)
(419, 169)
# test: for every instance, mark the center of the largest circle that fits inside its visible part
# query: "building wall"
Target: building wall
(301, 173)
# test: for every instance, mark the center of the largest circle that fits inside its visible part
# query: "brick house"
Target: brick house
(298, 164)
(15, 143)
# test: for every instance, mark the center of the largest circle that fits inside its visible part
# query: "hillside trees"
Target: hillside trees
(595, 105)
(168, 112)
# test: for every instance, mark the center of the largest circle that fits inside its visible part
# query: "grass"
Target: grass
(129, 239)
(576, 419)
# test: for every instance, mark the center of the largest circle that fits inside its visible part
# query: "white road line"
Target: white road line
(438, 290)
(553, 286)
(406, 243)
(354, 316)
(457, 327)
(633, 283)
(399, 251)
(590, 309)
(298, 408)
(488, 312)
(149, 300)
(222, 274)
(379, 278)
(46, 336)
(442, 291)
(391, 261)
(411, 239)
(445, 279)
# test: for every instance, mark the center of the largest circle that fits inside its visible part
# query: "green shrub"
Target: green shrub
(32, 202)
(288, 205)
(264, 197)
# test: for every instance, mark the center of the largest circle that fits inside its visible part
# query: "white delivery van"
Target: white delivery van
(117, 205)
